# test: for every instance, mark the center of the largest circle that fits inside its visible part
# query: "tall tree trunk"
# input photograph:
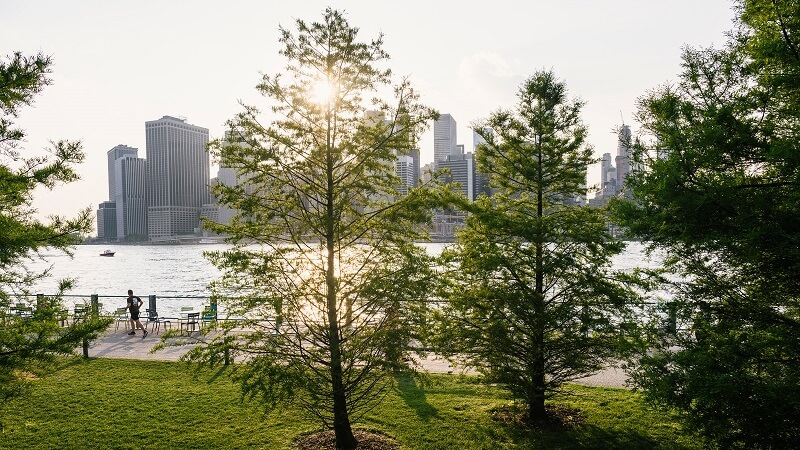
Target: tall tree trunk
(536, 401)
(536, 409)
(341, 418)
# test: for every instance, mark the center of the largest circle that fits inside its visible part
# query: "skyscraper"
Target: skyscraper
(482, 180)
(623, 159)
(114, 154)
(462, 171)
(444, 137)
(406, 162)
(405, 168)
(130, 177)
(608, 178)
(178, 173)
(107, 221)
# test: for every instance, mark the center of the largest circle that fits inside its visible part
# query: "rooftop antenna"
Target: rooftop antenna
(622, 118)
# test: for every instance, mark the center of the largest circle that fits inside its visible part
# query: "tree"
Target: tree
(324, 241)
(719, 191)
(29, 344)
(532, 300)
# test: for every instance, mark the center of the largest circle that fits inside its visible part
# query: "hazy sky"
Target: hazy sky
(119, 64)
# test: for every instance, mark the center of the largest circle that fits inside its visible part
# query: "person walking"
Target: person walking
(133, 306)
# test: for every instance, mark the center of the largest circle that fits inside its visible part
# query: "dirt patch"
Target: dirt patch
(26, 375)
(558, 417)
(326, 440)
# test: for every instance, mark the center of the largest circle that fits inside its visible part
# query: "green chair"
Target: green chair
(121, 315)
(208, 316)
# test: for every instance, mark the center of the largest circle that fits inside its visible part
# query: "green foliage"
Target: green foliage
(532, 300)
(108, 403)
(719, 189)
(27, 344)
(324, 239)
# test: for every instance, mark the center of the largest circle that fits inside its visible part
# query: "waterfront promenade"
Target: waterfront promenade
(118, 344)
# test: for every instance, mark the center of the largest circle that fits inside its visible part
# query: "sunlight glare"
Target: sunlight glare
(322, 91)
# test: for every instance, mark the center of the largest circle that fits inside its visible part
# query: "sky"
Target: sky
(119, 64)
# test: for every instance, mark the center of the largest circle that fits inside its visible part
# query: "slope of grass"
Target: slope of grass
(105, 403)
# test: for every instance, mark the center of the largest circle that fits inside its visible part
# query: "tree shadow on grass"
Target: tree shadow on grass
(413, 394)
(222, 371)
(586, 436)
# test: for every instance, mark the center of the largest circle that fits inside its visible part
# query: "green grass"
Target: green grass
(105, 403)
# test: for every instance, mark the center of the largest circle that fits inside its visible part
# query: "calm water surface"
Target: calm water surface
(176, 273)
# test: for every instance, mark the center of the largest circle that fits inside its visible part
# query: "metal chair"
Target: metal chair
(155, 322)
(22, 310)
(209, 316)
(79, 313)
(192, 319)
(121, 315)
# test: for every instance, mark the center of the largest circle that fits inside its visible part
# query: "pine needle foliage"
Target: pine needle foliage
(533, 302)
(324, 273)
(718, 191)
(29, 342)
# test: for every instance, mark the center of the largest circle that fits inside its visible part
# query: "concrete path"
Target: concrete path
(118, 344)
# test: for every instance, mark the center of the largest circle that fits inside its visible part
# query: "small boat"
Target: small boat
(107, 253)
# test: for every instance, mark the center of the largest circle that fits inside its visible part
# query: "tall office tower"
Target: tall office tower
(405, 170)
(623, 159)
(178, 173)
(226, 177)
(426, 172)
(482, 180)
(607, 187)
(462, 171)
(130, 175)
(605, 167)
(406, 159)
(107, 221)
(414, 154)
(477, 139)
(444, 137)
(114, 154)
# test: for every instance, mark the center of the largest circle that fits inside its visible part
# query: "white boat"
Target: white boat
(107, 253)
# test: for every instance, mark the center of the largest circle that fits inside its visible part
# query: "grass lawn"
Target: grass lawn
(106, 403)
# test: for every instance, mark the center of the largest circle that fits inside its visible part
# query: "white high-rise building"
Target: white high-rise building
(227, 177)
(477, 140)
(406, 170)
(114, 154)
(605, 169)
(130, 179)
(178, 173)
(444, 137)
(623, 159)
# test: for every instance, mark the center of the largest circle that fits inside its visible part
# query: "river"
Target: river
(178, 274)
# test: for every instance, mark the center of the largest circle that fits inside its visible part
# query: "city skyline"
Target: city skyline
(116, 66)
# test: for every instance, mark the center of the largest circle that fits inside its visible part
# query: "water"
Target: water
(179, 274)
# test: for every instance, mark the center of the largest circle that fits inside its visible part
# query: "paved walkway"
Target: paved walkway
(118, 344)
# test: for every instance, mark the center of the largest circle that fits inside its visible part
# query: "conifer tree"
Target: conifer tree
(532, 299)
(29, 343)
(719, 194)
(324, 239)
